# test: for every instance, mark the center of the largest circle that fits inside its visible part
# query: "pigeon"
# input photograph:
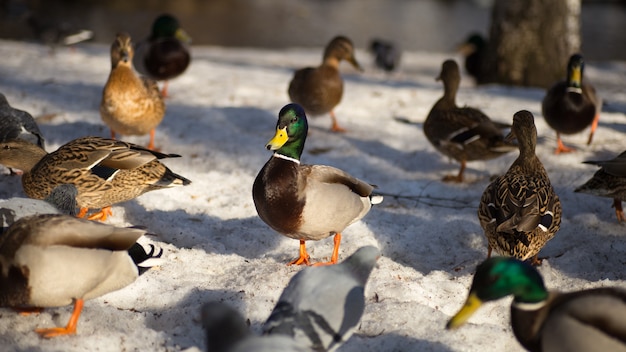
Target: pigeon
(322, 306)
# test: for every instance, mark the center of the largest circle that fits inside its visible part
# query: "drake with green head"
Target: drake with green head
(165, 54)
(319, 89)
(54, 260)
(520, 211)
(588, 320)
(306, 202)
(571, 105)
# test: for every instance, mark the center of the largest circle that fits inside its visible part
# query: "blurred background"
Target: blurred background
(417, 25)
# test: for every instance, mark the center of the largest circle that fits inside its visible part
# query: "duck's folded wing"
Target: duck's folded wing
(329, 174)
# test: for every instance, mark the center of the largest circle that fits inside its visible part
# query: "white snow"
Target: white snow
(221, 113)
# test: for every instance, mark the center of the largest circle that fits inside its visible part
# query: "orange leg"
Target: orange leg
(304, 256)
(335, 255)
(164, 90)
(535, 261)
(112, 134)
(458, 178)
(594, 125)
(335, 127)
(102, 214)
(69, 329)
(151, 144)
(83, 211)
(560, 147)
(619, 212)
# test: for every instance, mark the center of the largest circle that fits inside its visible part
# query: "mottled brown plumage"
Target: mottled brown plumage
(572, 105)
(104, 171)
(519, 211)
(464, 134)
(130, 105)
(609, 181)
(319, 89)
(52, 260)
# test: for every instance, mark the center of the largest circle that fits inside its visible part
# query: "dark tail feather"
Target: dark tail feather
(142, 259)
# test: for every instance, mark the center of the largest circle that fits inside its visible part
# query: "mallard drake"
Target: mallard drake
(321, 307)
(130, 105)
(165, 54)
(306, 202)
(386, 54)
(105, 171)
(464, 134)
(16, 124)
(609, 181)
(53, 260)
(62, 200)
(519, 211)
(571, 105)
(474, 50)
(319, 89)
(542, 320)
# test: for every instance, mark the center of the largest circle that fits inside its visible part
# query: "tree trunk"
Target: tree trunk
(531, 41)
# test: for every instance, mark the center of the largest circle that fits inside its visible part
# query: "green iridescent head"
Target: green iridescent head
(499, 277)
(167, 26)
(575, 68)
(291, 131)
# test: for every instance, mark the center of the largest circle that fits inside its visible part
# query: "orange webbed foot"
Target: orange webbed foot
(303, 259)
(102, 215)
(69, 329)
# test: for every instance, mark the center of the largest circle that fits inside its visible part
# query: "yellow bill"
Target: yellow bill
(280, 138)
(471, 305)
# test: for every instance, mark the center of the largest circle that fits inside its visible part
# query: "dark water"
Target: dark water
(432, 25)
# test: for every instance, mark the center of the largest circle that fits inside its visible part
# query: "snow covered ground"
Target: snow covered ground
(221, 113)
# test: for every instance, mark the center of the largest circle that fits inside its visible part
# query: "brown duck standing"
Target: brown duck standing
(130, 105)
(609, 181)
(572, 105)
(104, 171)
(319, 89)
(519, 211)
(464, 134)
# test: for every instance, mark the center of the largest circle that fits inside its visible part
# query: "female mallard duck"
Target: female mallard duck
(306, 202)
(52, 260)
(588, 320)
(105, 171)
(519, 211)
(609, 181)
(130, 105)
(464, 134)
(319, 89)
(165, 54)
(572, 105)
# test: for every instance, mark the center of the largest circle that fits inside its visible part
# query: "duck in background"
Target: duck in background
(54, 260)
(474, 50)
(165, 54)
(319, 89)
(386, 54)
(464, 134)
(130, 105)
(572, 105)
(105, 171)
(519, 211)
(306, 202)
(542, 320)
(609, 181)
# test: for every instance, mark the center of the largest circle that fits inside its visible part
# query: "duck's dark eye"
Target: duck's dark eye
(293, 120)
